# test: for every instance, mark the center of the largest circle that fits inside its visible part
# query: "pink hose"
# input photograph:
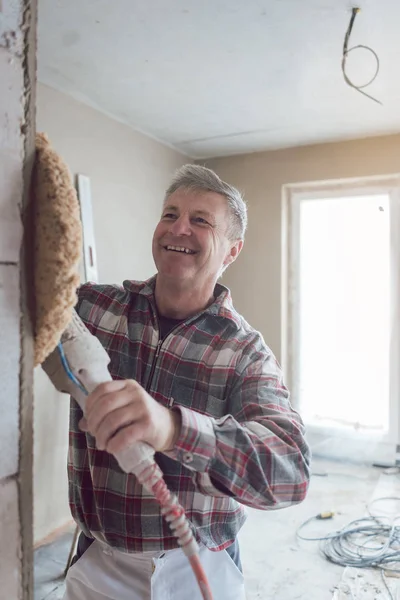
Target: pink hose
(152, 479)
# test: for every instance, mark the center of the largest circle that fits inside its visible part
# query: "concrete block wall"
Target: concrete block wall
(17, 85)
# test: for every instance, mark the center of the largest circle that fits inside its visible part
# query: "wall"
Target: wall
(129, 174)
(255, 278)
(17, 58)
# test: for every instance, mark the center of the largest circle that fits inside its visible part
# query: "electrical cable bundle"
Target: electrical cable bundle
(372, 541)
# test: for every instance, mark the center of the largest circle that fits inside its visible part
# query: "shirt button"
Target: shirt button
(188, 457)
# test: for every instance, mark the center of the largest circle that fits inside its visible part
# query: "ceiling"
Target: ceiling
(221, 77)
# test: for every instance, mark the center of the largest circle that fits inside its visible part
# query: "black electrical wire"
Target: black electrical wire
(346, 52)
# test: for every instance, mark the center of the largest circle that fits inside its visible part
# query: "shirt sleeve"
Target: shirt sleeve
(257, 453)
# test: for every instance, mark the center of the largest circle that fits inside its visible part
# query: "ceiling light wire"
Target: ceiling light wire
(346, 52)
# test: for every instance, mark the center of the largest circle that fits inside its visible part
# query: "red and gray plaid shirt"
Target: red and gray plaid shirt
(241, 443)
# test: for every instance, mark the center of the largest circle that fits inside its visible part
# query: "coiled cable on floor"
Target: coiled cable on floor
(372, 541)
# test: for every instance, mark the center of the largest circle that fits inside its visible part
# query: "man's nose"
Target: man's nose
(181, 226)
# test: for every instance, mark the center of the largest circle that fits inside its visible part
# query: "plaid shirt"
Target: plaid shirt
(240, 443)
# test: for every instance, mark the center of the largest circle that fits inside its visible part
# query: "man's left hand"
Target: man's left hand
(120, 413)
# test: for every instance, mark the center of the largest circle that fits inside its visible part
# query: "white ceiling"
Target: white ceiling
(220, 77)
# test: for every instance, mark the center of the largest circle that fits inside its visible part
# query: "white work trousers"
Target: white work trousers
(103, 573)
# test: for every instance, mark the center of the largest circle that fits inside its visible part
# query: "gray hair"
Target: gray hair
(201, 179)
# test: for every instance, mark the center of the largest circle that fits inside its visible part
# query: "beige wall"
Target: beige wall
(255, 279)
(129, 173)
(17, 98)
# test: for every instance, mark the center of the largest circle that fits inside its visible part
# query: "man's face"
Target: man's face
(190, 243)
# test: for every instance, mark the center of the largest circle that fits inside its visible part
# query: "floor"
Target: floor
(50, 562)
(279, 567)
(276, 565)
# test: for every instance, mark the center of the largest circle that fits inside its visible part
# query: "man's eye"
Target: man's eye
(200, 220)
(169, 216)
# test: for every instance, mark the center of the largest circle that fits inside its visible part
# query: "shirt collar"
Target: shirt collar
(221, 307)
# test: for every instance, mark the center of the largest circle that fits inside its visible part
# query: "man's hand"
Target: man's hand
(120, 413)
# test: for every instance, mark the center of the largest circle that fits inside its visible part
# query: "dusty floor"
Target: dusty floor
(280, 568)
(276, 566)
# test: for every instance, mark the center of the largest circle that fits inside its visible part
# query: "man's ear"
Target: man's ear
(233, 253)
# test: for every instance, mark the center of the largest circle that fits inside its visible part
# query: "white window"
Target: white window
(341, 314)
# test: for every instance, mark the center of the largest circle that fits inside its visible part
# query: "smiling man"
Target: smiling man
(196, 382)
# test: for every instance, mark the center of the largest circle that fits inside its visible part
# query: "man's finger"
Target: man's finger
(106, 404)
(128, 436)
(112, 424)
(104, 388)
(83, 424)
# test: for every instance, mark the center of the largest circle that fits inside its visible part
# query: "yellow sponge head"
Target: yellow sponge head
(57, 247)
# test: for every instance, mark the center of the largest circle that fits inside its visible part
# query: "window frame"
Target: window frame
(292, 196)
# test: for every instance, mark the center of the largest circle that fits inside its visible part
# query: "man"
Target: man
(196, 382)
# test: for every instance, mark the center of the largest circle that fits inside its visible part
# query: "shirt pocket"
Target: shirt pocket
(198, 397)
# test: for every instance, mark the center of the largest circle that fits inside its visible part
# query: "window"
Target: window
(342, 307)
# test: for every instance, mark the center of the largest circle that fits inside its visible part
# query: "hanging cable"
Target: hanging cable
(346, 52)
